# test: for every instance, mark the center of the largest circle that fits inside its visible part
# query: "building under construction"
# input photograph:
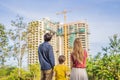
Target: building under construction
(74, 30)
(60, 45)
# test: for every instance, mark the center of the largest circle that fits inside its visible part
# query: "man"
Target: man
(46, 58)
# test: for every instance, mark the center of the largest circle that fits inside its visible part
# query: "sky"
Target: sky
(102, 16)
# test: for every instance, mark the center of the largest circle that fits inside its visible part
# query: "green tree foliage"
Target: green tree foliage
(35, 71)
(15, 76)
(5, 71)
(19, 46)
(3, 44)
(106, 66)
(11, 73)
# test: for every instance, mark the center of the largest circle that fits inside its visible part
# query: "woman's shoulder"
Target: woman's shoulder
(71, 53)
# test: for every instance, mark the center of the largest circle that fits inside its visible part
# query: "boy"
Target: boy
(61, 71)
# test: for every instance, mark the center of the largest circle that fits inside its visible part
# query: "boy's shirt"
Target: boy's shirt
(60, 72)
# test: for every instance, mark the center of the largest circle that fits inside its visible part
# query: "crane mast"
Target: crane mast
(65, 36)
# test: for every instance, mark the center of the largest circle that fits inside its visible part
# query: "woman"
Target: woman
(78, 62)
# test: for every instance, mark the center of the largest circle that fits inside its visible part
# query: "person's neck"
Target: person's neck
(45, 41)
(61, 64)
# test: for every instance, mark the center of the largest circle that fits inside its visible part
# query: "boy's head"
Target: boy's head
(61, 59)
(47, 37)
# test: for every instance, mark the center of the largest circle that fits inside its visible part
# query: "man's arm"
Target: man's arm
(39, 53)
(51, 56)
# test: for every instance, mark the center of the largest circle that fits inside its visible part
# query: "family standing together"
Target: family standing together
(60, 71)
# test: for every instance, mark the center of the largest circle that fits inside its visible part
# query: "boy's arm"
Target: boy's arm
(54, 73)
(67, 71)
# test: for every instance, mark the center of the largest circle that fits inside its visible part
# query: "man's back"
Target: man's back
(46, 56)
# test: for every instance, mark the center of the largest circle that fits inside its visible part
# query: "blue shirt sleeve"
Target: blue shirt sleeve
(51, 56)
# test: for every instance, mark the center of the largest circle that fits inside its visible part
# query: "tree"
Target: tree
(6, 70)
(19, 44)
(18, 47)
(112, 52)
(15, 76)
(3, 44)
(35, 71)
(106, 66)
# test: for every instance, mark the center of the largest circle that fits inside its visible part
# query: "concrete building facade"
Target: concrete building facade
(36, 37)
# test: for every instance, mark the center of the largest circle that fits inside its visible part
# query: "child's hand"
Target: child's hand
(68, 74)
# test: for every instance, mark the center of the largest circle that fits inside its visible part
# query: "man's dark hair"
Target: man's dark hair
(47, 37)
(61, 59)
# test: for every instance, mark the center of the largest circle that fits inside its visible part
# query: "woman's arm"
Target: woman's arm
(71, 62)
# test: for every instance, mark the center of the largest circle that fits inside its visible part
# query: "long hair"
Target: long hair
(78, 52)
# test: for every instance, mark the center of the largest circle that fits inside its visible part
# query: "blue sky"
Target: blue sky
(103, 16)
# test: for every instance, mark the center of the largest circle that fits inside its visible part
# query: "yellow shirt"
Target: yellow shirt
(60, 72)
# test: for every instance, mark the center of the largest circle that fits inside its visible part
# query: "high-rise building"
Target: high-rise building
(74, 30)
(78, 30)
(38, 29)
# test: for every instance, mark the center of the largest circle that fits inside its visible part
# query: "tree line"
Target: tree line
(104, 66)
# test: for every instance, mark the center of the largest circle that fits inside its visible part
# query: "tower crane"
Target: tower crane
(64, 12)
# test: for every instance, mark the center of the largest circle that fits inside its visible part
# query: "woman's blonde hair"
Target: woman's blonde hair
(78, 51)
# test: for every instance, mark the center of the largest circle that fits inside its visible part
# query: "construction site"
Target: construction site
(62, 40)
